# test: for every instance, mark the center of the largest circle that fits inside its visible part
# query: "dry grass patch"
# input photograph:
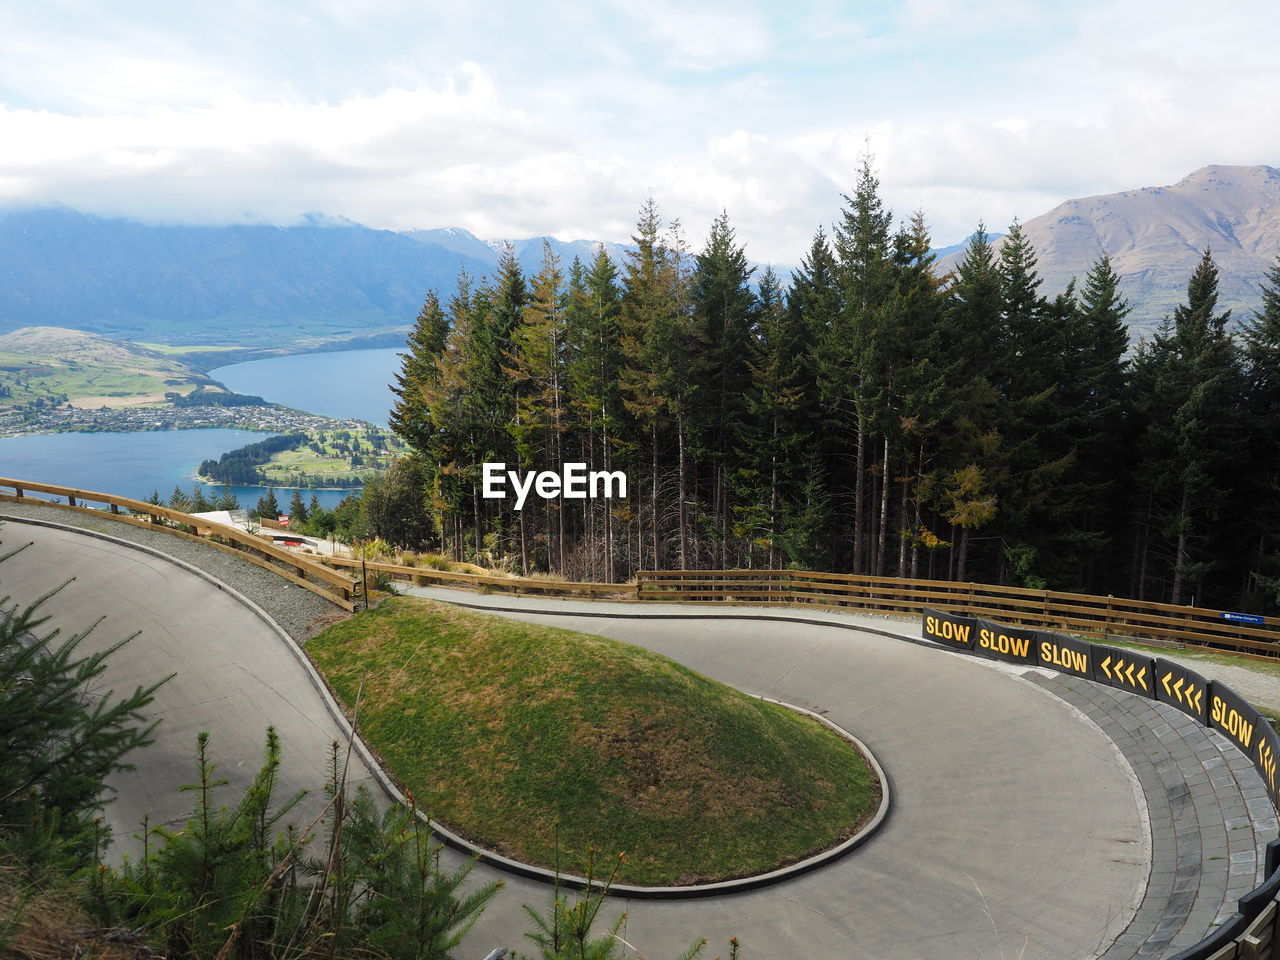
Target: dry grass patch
(526, 739)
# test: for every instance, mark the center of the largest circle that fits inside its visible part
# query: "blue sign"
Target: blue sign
(1242, 618)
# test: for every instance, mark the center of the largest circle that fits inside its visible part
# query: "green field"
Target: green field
(49, 366)
(329, 458)
(543, 744)
(31, 379)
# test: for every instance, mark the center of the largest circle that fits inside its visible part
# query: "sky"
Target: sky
(560, 117)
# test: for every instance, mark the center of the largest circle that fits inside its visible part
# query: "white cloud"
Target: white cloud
(561, 120)
(701, 37)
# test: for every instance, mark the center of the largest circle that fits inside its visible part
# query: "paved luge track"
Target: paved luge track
(1016, 830)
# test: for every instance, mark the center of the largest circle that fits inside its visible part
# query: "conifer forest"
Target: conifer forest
(865, 415)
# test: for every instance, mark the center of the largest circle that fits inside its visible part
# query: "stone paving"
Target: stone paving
(1210, 816)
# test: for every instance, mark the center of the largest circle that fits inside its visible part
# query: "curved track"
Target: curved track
(1018, 828)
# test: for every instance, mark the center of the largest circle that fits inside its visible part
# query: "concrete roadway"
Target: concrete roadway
(1017, 828)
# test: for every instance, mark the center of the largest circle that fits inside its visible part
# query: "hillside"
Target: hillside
(56, 365)
(1156, 235)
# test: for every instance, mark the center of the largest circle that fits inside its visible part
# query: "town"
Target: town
(68, 419)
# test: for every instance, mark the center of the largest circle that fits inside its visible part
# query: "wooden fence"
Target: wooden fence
(1097, 617)
(294, 567)
(517, 586)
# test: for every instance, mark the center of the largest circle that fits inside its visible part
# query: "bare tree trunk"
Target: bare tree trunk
(725, 525)
(683, 494)
(964, 554)
(475, 512)
(904, 523)
(1181, 559)
(884, 509)
(610, 572)
(773, 499)
(1138, 569)
(858, 504)
(653, 501)
(524, 548)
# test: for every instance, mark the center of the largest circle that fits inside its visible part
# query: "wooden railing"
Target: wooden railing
(1092, 616)
(516, 586)
(296, 568)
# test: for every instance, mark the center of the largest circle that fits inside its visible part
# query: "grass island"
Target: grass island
(543, 744)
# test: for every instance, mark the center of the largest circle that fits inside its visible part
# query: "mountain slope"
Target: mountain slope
(258, 285)
(1156, 236)
(55, 365)
(528, 251)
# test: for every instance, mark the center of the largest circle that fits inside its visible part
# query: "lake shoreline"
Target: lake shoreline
(154, 449)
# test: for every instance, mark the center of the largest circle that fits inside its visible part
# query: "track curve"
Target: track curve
(1018, 828)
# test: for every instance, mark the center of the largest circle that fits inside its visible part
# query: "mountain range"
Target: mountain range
(1157, 235)
(328, 281)
(325, 280)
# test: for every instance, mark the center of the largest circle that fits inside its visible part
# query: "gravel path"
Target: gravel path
(300, 612)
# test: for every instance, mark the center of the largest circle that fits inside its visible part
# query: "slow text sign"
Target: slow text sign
(1235, 718)
(948, 629)
(1011, 644)
(1066, 654)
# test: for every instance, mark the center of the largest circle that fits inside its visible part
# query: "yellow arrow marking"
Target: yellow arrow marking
(1165, 681)
(1120, 669)
(1177, 688)
(1130, 674)
(1142, 677)
(1103, 665)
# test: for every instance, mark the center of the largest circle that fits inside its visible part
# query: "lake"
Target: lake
(347, 383)
(136, 463)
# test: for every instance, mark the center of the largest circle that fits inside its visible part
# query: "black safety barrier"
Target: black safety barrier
(1011, 644)
(948, 629)
(1234, 717)
(1211, 702)
(1251, 903)
(1218, 938)
(1124, 669)
(1066, 654)
(1185, 689)
(1266, 759)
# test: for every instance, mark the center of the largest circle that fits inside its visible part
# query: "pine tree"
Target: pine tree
(178, 500)
(1092, 405)
(656, 361)
(1030, 473)
(298, 512)
(961, 488)
(593, 361)
(770, 440)
(410, 416)
(60, 735)
(921, 387)
(268, 506)
(1261, 506)
(855, 365)
(536, 369)
(723, 317)
(1189, 384)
